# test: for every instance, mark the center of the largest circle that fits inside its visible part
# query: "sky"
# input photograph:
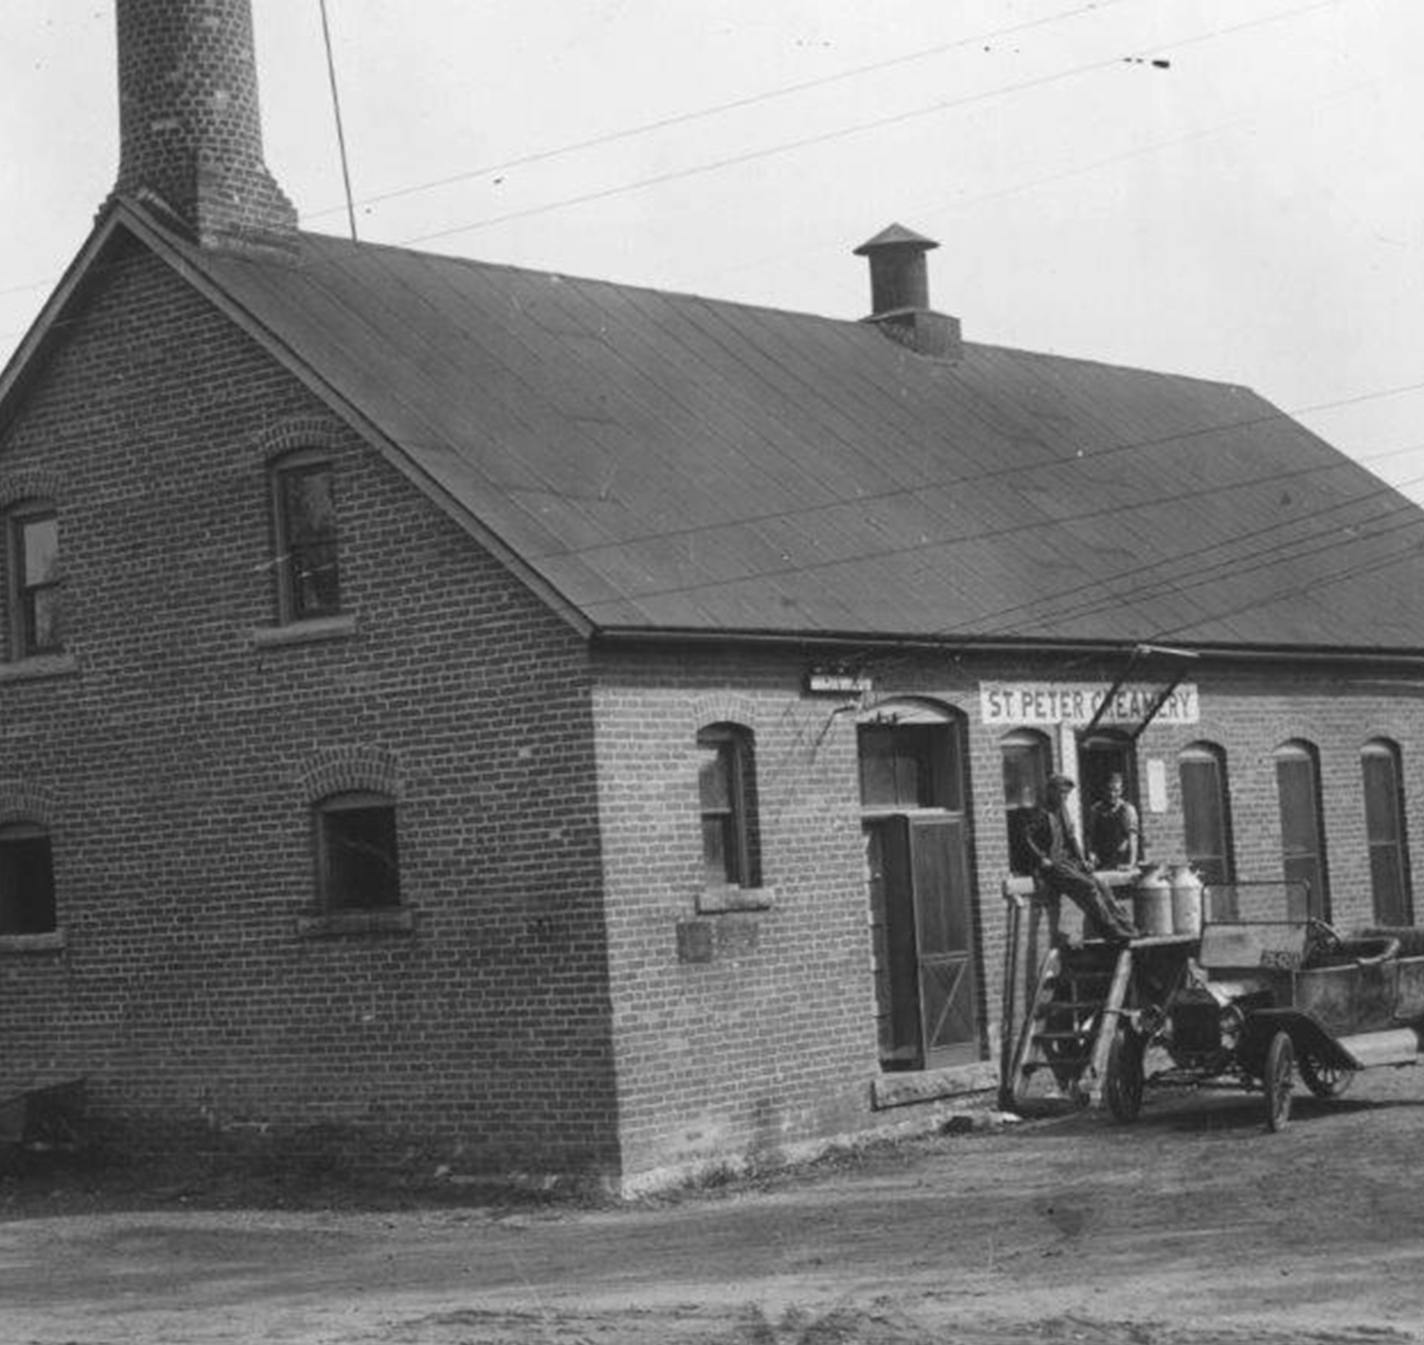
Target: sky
(1229, 189)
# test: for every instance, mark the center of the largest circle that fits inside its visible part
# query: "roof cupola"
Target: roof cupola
(190, 129)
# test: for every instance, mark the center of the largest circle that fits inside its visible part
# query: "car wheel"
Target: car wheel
(1123, 1084)
(1324, 1080)
(1279, 1080)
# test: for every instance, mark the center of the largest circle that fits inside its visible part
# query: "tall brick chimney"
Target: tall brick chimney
(190, 130)
(900, 294)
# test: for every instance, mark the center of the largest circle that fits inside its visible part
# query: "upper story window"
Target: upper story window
(357, 863)
(726, 780)
(35, 581)
(304, 504)
(1385, 834)
(26, 880)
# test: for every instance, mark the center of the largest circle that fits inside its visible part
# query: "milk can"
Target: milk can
(1186, 900)
(1152, 902)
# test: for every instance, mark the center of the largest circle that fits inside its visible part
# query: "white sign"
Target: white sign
(1156, 785)
(1079, 702)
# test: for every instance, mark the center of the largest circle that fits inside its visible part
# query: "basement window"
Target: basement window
(27, 903)
(306, 563)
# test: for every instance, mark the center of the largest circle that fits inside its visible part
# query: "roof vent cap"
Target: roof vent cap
(900, 294)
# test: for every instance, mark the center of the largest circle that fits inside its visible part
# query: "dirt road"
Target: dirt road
(1192, 1226)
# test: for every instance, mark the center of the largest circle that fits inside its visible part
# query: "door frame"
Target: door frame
(910, 818)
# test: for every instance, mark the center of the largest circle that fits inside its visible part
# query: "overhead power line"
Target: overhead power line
(1208, 565)
(1274, 415)
(720, 109)
(340, 128)
(857, 128)
(1313, 585)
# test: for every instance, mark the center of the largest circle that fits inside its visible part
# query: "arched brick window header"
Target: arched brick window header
(724, 708)
(20, 803)
(350, 770)
(301, 432)
(30, 484)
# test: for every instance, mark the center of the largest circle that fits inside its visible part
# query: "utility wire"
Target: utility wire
(1314, 584)
(1091, 608)
(824, 244)
(1144, 587)
(1015, 470)
(719, 109)
(340, 130)
(1290, 551)
(858, 128)
(647, 127)
(772, 94)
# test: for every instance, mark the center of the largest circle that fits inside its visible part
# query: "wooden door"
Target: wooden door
(922, 925)
(944, 934)
(892, 924)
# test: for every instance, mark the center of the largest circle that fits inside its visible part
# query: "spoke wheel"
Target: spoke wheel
(1279, 1081)
(1324, 1080)
(1123, 1084)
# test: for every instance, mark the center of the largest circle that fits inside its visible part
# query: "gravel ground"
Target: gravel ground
(1192, 1226)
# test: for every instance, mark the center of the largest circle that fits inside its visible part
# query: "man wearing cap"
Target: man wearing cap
(1062, 869)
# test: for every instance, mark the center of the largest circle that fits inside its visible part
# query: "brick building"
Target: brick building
(573, 729)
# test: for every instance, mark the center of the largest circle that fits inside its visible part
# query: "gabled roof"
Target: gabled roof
(663, 462)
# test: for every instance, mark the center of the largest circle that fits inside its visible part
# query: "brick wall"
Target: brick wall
(176, 753)
(771, 1041)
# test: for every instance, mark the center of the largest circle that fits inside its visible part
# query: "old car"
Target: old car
(1261, 1002)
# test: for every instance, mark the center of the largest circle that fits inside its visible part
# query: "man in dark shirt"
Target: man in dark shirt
(1064, 871)
(1113, 829)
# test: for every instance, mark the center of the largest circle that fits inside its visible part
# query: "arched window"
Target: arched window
(1302, 830)
(26, 880)
(1028, 759)
(726, 779)
(357, 863)
(305, 534)
(1385, 833)
(36, 612)
(1206, 812)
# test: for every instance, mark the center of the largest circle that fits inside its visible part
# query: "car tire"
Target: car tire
(1124, 1081)
(1279, 1081)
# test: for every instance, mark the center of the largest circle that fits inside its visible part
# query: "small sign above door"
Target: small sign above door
(1010, 703)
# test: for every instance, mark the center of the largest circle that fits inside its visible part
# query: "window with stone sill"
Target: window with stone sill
(27, 903)
(35, 580)
(307, 559)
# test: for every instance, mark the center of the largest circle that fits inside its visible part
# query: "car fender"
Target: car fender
(1308, 1035)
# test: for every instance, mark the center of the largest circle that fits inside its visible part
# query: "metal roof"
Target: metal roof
(669, 462)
